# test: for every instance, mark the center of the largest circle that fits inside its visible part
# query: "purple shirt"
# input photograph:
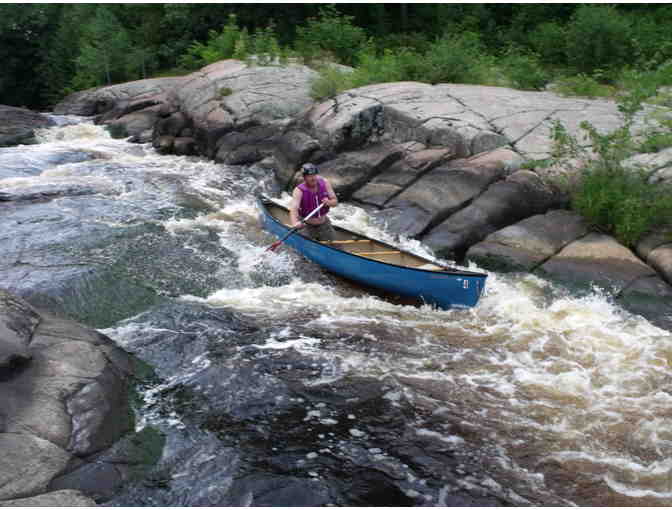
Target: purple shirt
(310, 200)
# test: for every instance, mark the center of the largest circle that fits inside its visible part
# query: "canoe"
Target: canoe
(379, 265)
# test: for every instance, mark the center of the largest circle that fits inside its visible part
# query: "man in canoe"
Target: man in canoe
(307, 196)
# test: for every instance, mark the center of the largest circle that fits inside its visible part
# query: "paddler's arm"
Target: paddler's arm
(332, 201)
(294, 208)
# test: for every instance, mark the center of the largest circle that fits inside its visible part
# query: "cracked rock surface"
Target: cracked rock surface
(61, 406)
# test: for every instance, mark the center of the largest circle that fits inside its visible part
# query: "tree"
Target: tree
(104, 51)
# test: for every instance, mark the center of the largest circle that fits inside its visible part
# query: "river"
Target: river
(277, 383)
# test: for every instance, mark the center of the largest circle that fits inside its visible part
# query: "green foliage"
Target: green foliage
(330, 82)
(104, 51)
(598, 37)
(524, 70)
(457, 58)
(547, 40)
(615, 199)
(330, 33)
(225, 91)
(582, 85)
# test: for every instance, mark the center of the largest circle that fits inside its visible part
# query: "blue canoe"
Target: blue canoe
(379, 265)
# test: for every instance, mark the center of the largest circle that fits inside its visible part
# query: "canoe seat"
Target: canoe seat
(369, 253)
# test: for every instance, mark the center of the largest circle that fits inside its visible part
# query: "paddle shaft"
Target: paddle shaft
(275, 245)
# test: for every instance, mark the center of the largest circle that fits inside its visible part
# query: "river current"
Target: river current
(539, 396)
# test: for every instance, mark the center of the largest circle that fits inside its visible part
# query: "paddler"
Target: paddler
(313, 191)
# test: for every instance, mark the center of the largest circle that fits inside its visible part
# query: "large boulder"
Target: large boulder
(231, 96)
(508, 201)
(350, 170)
(442, 191)
(67, 403)
(18, 125)
(402, 112)
(597, 259)
(118, 100)
(18, 321)
(529, 243)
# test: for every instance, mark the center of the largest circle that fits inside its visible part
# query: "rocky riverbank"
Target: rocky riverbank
(440, 163)
(66, 426)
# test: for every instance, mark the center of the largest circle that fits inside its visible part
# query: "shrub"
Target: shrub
(598, 36)
(524, 71)
(582, 85)
(456, 59)
(548, 41)
(614, 199)
(220, 45)
(388, 67)
(333, 33)
(330, 82)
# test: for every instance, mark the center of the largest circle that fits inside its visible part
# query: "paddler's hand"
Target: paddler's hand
(299, 225)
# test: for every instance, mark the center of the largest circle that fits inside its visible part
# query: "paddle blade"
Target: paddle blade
(274, 246)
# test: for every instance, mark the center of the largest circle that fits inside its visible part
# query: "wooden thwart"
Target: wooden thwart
(368, 253)
(348, 241)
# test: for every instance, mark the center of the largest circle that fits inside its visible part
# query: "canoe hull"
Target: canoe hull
(444, 289)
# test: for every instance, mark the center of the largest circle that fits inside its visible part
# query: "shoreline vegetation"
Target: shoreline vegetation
(522, 46)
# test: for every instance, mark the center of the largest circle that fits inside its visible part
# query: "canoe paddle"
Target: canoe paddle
(276, 244)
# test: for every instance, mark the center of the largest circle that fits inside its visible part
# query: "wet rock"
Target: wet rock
(69, 402)
(596, 259)
(18, 125)
(291, 150)
(123, 98)
(184, 146)
(527, 244)
(651, 297)
(18, 321)
(228, 96)
(350, 170)
(173, 125)
(29, 464)
(445, 190)
(134, 124)
(250, 146)
(417, 160)
(656, 250)
(163, 144)
(519, 196)
(64, 498)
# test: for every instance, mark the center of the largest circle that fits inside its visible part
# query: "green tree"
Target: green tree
(598, 37)
(105, 46)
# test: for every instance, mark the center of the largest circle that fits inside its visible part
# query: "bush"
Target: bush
(524, 71)
(456, 59)
(614, 199)
(330, 82)
(598, 36)
(330, 33)
(582, 85)
(621, 202)
(548, 41)
(388, 67)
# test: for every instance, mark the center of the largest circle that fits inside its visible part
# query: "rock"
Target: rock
(658, 164)
(651, 297)
(350, 170)
(18, 125)
(70, 402)
(164, 144)
(445, 190)
(527, 244)
(64, 498)
(392, 181)
(29, 464)
(291, 151)
(661, 260)
(229, 96)
(18, 321)
(123, 97)
(173, 125)
(184, 146)
(247, 147)
(133, 124)
(520, 195)
(596, 259)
